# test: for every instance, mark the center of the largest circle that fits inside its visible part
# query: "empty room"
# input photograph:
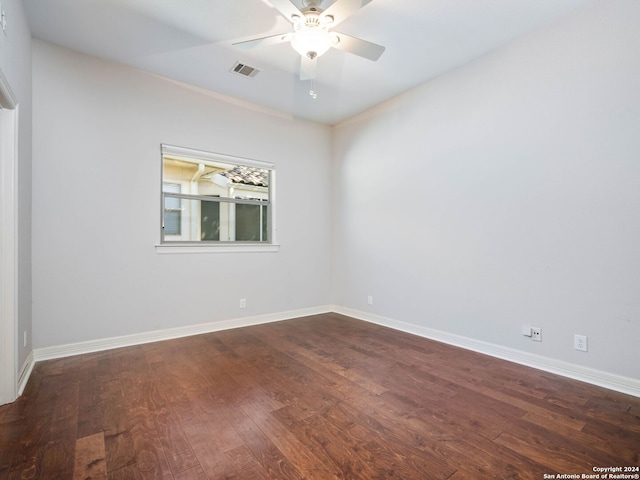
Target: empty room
(319, 239)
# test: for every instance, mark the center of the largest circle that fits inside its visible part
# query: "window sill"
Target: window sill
(226, 248)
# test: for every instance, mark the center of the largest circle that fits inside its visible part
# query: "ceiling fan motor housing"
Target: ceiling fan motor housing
(311, 37)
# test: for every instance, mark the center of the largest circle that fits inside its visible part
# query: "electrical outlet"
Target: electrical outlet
(243, 303)
(536, 334)
(370, 299)
(580, 342)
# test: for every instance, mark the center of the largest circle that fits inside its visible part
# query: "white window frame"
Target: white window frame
(219, 247)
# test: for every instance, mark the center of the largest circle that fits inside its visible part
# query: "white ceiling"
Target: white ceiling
(190, 41)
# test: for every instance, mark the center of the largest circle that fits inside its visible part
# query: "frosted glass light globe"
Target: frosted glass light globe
(311, 42)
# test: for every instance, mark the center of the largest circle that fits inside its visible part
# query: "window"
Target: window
(214, 199)
(172, 210)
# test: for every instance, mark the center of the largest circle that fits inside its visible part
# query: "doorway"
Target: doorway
(8, 244)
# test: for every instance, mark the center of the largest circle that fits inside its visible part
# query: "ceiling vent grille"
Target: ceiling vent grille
(244, 70)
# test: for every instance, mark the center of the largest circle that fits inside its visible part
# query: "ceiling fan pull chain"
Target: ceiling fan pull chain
(312, 90)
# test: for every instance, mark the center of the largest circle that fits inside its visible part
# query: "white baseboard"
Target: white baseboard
(25, 372)
(49, 353)
(611, 381)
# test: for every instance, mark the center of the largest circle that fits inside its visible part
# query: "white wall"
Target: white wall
(15, 63)
(505, 193)
(97, 131)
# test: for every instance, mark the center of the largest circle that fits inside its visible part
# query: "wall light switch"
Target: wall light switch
(526, 331)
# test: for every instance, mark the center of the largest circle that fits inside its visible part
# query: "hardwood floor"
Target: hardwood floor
(320, 397)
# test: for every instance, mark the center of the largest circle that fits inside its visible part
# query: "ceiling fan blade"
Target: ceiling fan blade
(357, 46)
(264, 41)
(341, 9)
(288, 10)
(308, 68)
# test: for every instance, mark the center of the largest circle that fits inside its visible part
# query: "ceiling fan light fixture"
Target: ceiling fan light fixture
(311, 42)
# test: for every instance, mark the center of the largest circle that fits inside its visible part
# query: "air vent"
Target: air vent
(244, 70)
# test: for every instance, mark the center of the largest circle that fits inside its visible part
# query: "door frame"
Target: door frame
(8, 243)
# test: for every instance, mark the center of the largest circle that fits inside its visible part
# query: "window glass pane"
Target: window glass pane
(202, 220)
(249, 223)
(172, 210)
(210, 221)
(172, 221)
(223, 180)
(236, 207)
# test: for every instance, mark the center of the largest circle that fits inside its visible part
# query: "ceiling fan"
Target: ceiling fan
(312, 35)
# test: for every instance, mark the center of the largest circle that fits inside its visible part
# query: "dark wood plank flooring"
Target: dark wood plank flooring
(322, 397)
